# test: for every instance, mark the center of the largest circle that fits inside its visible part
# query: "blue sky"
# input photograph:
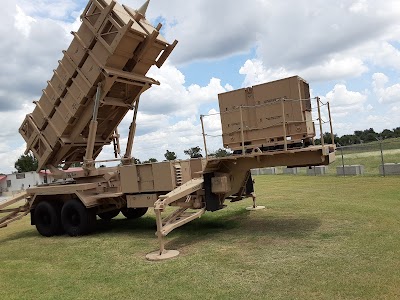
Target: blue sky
(348, 50)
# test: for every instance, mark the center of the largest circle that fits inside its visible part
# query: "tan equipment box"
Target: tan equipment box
(268, 114)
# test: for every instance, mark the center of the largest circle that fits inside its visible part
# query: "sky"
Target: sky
(348, 51)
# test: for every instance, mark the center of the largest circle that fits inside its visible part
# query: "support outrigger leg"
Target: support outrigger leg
(255, 207)
(162, 254)
(188, 198)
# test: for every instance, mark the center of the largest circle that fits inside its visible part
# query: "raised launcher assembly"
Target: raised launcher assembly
(99, 79)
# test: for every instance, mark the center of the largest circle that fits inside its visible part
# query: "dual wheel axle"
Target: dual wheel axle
(73, 218)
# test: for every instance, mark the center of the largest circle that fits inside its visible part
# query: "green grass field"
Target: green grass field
(319, 238)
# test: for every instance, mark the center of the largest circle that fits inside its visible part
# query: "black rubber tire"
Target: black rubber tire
(76, 219)
(134, 213)
(107, 216)
(47, 218)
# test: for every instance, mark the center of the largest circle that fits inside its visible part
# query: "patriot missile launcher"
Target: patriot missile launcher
(98, 81)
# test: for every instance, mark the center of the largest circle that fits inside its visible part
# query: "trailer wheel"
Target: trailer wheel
(134, 213)
(109, 214)
(47, 219)
(77, 219)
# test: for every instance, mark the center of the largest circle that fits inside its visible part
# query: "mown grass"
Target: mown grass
(319, 238)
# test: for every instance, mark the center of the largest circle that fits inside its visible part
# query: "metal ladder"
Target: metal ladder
(178, 174)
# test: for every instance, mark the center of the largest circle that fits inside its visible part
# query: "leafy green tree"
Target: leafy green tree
(170, 155)
(221, 152)
(328, 139)
(150, 160)
(349, 139)
(396, 132)
(387, 134)
(358, 133)
(76, 165)
(26, 163)
(194, 152)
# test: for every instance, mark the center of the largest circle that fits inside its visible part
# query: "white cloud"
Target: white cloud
(360, 6)
(333, 69)
(23, 22)
(52, 9)
(172, 97)
(28, 56)
(344, 102)
(386, 55)
(385, 94)
(209, 29)
(8, 157)
(256, 73)
(395, 110)
(295, 34)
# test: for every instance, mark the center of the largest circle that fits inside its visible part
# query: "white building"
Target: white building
(15, 183)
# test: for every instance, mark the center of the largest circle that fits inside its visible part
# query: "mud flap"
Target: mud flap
(249, 186)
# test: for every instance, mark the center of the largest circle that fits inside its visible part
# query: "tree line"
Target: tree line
(194, 152)
(361, 137)
(28, 163)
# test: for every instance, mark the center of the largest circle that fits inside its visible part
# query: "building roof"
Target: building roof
(2, 177)
(70, 170)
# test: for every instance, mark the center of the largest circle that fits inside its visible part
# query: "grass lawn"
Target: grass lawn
(319, 238)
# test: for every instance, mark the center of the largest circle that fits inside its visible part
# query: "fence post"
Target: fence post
(382, 160)
(341, 152)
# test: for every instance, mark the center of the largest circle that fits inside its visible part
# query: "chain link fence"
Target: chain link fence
(376, 158)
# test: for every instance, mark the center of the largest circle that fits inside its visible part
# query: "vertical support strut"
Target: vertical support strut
(132, 131)
(88, 161)
(284, 124)
(330, 122)
(320, 121)
(242, 130)
(204, 135)
(159, 233)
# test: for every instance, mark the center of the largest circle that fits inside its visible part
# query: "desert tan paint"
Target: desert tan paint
(101, 77)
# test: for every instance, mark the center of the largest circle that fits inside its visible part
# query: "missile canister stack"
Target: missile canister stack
(114, 46)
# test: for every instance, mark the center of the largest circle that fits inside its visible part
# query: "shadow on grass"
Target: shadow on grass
(238, 223)
(287, 226)
(26, 234)
(121, 226)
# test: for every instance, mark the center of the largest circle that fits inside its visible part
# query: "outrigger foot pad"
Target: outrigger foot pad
(166, 254)
(251, 208)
